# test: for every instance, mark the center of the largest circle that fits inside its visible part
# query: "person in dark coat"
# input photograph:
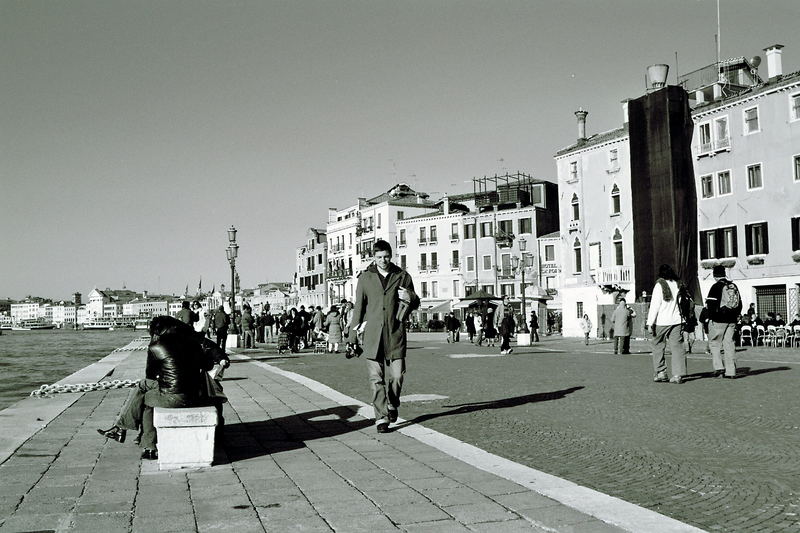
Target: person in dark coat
(507, 328)
(534, 327)
(248, 328)
(622, 322)
(384, 298)
(221, 323)
(186, 315)
(470, 321)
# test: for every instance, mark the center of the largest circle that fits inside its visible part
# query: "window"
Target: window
(795, 233)
(468, 289)
(595, 258)
(707, 186)
(576, 208)
(616, 205)
(470, 263)
(379, 220)
(751, 120)
(433, 234)
(579, 308)
(617, 240)
(794, 106)
(455, 288)
(573, 170)
(576, 248)
(796, 168)
(724, 182)
(454, 260)
(525, 225)
(434, 289)
(507, 289)
(537, 195)
(487, 262)
(613, 159)
(454, 231)
(434, 260)
(424, 286)
(549, 252)
(401, 215)
(486, 229)
(505, 265)
(754, 179)
(705, 137)
(422, 235)
(402, 237)
(756, 238)
(722, 139)
(403, 262)
(469, 231)
(423, 262)
(506, 226)
(488, 289)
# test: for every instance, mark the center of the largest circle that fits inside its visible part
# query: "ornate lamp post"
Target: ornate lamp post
(519, 264)
(232, 251)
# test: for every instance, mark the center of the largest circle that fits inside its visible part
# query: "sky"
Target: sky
(133, 133)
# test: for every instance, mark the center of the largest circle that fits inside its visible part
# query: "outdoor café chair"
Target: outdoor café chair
(746, 334)
(760, 335)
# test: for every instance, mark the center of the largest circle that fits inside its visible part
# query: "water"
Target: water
(29, 359)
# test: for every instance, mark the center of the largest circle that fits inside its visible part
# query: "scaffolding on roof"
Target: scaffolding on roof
(504, 189)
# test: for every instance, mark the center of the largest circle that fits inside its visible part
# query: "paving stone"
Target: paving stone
(410, 513)
(164, 522)
(101, 522)
(105, 507)
(453, 496)
(35, 522)
(524, 500)
(554, 516)
(359, 523)
(508, 526)
(480, 512)
(438, 526)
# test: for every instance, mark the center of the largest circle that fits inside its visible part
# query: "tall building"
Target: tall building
(311, 262)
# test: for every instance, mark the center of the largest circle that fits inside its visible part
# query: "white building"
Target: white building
(310, 265)
(550, 268)
(24, 311)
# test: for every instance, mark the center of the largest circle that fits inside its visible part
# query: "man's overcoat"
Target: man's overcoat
(378, 308)
(621, 321)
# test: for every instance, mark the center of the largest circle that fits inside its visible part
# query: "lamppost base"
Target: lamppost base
(523, 339)
(233, 341)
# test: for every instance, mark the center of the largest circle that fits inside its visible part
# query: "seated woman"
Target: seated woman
(174, 377)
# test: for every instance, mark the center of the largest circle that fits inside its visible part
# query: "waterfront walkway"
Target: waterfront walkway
(297, 456)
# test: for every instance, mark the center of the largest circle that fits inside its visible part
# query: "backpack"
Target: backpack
(729, 298)
(686, 308)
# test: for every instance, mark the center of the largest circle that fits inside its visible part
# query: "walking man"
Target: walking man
(724, 305)
(622, 321)
(221, 322)
(664, 320)
(384, 298)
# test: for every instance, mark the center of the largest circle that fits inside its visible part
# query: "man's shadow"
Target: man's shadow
(464, 408)
(245, 440)
(741, 372)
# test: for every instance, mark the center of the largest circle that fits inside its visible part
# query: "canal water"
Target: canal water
(29, 359)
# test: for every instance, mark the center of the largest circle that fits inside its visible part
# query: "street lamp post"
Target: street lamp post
(520, 263)
(232, 251)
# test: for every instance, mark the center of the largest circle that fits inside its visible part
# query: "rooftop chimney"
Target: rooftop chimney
(581, 114)
(446, 205)
(774, 63)
(625, 110)
(657, 75)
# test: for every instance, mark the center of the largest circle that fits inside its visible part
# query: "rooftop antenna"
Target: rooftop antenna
(718, 38)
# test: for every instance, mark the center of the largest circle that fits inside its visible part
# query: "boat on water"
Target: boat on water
(141, 323)
(99, 323)
(32, 324)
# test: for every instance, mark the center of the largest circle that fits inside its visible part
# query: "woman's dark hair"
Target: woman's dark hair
(381, 246)
(666, 272)
(161, 325)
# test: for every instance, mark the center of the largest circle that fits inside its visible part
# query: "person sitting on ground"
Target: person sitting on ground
(176, 360)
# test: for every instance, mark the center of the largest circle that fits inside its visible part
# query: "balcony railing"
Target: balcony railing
(423, 240)
(339, 273)
(401, 244)
(422, 267)
(455, 265)
(614, 274)
(433, 266)
(433, 240)
(454, 237)
(717, 145)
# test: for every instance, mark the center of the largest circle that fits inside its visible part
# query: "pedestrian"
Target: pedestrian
(470, 321)
(186, 315)
(724, 305)
(318, 322)
(268, 321)
(345, 315)
(666, 324)
(305, 326)
(248, 328)
(621, 321)
(585, 324)
(489, 328)
(689, 322)
(534, 327)
(452, 325)
(333, 322)
(294, 327)
(478, 321)
(384, 298)
(221, 323)
(507, 328)
(704, 325)
(202, 323)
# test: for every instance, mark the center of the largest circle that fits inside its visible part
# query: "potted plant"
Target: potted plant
(796, 256)
(756, 259)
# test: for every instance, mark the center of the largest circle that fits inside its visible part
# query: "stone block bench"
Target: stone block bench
(185, 436)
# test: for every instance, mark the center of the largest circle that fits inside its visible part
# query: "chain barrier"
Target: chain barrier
(47, 390)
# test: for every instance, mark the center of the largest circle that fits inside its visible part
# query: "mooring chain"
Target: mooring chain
(46, 390)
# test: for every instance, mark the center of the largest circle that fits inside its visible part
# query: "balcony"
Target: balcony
(422, 267)
(433, 240)
(422, 241)
(712, 147)
(505, 273)
(455, 265)
(614, 275)
(433, 267)
(339, 273)
(401, 244)
(454, 237)
(574, 225)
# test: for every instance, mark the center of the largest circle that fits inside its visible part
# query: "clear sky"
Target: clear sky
(133, 133)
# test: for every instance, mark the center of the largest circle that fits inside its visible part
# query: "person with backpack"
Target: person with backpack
(666, 325)
(724, 306)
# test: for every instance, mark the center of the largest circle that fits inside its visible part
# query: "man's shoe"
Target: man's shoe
(383, 427)
(676, 379)
(510, 350)
(149, 454)
(114, 433)
(392, 416)
(661, 377)
(729, 377)
(719, 373)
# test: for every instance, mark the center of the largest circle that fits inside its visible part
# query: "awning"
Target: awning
(437, 306)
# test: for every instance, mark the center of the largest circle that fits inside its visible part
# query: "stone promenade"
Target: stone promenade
(297, 456)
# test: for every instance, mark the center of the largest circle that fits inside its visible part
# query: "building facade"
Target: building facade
(311, 264)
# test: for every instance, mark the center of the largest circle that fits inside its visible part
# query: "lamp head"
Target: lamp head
(231, 233)
(522, 244)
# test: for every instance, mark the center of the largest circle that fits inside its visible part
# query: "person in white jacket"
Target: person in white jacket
(665, 322)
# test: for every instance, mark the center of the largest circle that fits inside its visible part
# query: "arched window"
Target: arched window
(617, 239)
(577, 256)
(576, 208)
(616, 206)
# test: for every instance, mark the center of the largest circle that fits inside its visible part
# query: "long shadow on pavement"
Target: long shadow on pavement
(246, 440)
(465, 408)
(741, 372)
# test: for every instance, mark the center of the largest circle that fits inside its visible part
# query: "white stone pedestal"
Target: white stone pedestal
(232, 341)
(185, 436)
(523, 339)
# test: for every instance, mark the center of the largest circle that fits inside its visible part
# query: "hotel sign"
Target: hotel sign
(550, 269)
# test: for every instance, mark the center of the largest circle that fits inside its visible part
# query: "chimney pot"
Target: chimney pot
(625, 110)
(774, 62)
(581, 115)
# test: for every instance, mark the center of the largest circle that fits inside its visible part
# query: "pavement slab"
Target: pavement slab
(295, 456)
